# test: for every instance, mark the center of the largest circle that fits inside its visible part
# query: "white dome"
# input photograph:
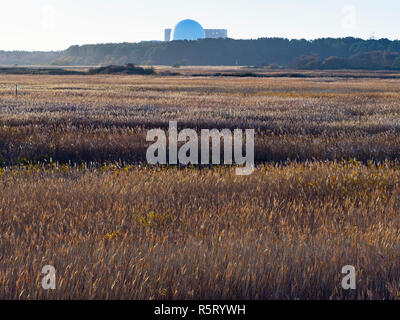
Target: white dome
(188, 30)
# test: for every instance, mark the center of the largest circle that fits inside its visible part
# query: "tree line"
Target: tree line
(325, 53)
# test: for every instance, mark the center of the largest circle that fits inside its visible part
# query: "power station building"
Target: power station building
(192, 30)
(216, 33)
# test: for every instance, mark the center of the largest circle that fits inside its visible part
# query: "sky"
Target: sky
(57, 24)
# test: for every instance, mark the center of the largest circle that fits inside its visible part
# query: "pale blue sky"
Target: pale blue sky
(57, 24)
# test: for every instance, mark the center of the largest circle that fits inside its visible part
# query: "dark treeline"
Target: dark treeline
(327, 53)
(373, 60)
(28, 58)
(301, 54)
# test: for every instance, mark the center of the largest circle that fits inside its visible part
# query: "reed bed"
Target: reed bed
(284, 232)
(76, 193)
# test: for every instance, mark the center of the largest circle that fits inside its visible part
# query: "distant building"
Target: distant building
(188, 30)
(192, 30)
(167, 34)
(216, 33)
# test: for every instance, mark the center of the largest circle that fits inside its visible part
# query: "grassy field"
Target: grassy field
(84, 118)
(76, 192)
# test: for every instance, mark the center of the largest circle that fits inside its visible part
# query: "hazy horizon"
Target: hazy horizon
(54, 25)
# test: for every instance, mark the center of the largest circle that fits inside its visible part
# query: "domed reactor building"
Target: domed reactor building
(192, 30)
